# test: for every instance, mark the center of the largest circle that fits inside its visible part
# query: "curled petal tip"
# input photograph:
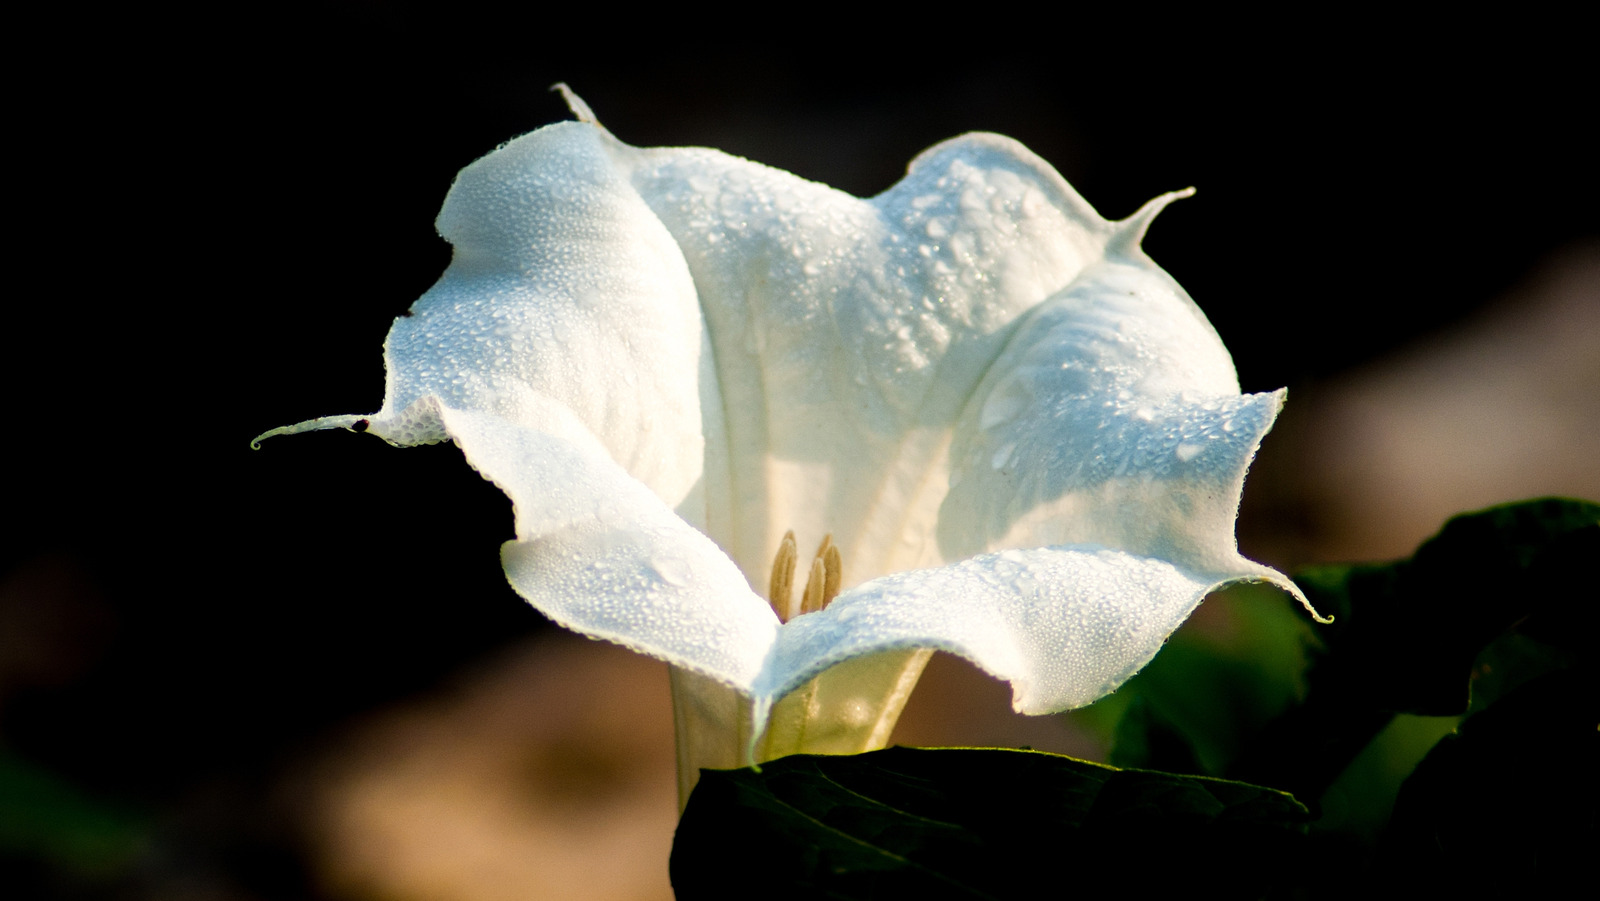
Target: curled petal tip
(1130, 231)
(1273, 577)
(354, 423)
(1297, 594)
(579, 109)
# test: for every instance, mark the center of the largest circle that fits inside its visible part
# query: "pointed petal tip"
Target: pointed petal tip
(351, 422)
(580, 110)
(1306, 603)
(1273, 577)
(1130, 232)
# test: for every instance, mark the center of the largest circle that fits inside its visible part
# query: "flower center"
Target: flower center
(822, 583)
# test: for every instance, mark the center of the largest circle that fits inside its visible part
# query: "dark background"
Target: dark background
(219, 218)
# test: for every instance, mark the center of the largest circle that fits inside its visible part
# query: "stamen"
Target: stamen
(780, 592)
(822, 582)
(811, 601)
(833, 562)
(827, 571)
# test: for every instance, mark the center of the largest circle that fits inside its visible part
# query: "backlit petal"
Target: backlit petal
(599, 553)
(1065, 626)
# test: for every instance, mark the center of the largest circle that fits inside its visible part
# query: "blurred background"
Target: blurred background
(299, 673)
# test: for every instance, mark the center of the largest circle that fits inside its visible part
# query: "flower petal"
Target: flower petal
(600, 554)
(849, 334)
(1113, 418)
(564, 293)
(1064, 625)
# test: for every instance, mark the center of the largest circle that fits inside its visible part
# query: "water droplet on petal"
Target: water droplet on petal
(1002, 456)
(672, 570)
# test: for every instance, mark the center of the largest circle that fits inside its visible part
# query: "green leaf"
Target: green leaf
(1514, 794)
(966, 823)
(1406, 635)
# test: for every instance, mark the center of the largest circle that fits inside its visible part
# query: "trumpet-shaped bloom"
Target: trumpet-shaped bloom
(1026, 442)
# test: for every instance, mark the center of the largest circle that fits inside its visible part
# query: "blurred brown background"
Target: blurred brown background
(299, 673)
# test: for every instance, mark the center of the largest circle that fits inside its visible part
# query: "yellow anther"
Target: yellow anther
(822, 582)
(780, 592)
(834, 564)
(827, 542)
(811, 600)
(822, 585)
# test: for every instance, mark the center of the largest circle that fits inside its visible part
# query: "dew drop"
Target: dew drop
(1002, 407)
(1002, 456)
(672, 570)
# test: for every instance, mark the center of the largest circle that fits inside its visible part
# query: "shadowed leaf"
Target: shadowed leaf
(1407, 635)
(966, 823)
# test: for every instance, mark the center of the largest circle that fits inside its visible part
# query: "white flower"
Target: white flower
(1025, 440)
